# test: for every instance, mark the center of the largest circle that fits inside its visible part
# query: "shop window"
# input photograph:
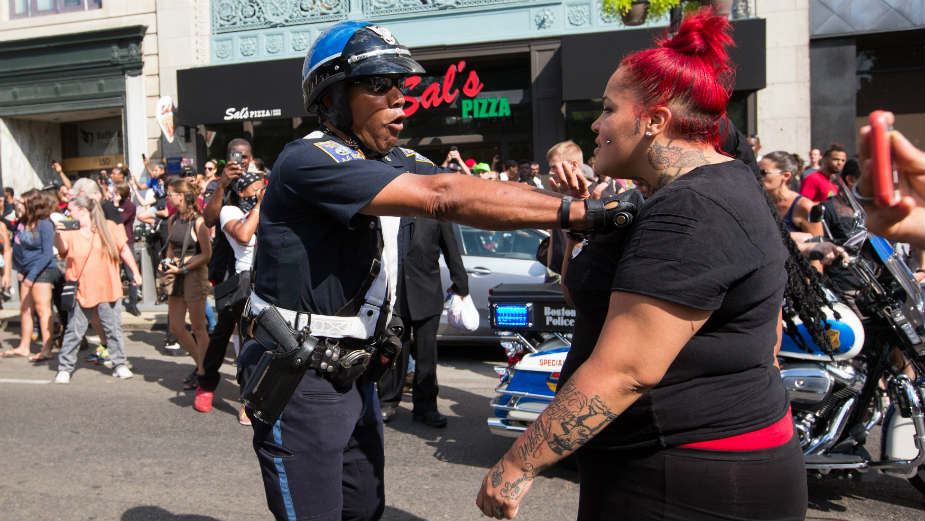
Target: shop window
(268, 137)
(28, 8)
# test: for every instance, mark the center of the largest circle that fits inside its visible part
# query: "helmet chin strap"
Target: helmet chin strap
(337, 115)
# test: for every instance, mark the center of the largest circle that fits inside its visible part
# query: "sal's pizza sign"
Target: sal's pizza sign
(447, 91)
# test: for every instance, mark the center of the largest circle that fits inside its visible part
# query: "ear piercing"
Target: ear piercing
(609, 141)
(648, 133)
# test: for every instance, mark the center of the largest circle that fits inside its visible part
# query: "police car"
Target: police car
(491, 258)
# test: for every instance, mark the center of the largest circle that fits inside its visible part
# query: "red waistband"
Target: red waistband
(774, 435)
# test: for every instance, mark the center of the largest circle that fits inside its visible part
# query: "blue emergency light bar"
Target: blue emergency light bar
(512, 315)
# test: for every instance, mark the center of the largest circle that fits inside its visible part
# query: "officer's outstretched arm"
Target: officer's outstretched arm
(476, 202)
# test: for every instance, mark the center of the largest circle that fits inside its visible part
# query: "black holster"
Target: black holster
(280, 369)
(389, 348)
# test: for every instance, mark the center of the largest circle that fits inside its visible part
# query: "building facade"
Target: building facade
(80, 82)
(866, 55)
(505, 78)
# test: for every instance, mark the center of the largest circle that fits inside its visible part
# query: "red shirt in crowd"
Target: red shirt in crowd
(817, 187)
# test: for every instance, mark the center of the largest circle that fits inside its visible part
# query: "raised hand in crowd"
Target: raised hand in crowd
(904, 221)
(231, 172)
(453, 157)
(60, 171)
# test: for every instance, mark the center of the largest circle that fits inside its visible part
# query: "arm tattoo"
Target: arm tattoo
(578, 417)
(672, 161)
(533, 442)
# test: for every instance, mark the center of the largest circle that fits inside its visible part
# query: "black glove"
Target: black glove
(611, 213)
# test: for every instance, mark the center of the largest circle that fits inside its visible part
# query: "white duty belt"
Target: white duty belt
(363, 325)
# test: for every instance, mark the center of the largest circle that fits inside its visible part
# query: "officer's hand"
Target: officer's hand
(231, 172)
(503, 488)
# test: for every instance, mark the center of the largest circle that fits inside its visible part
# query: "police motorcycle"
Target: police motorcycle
(837, 398)
(535, 327)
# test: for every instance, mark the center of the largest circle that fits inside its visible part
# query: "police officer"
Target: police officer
(326, 271)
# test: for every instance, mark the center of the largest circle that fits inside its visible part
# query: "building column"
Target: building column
(834, 92)
(135, 145)
(546, 77)
(783, 106)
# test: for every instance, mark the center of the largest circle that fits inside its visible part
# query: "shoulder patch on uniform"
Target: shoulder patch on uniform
(338, 152)
(417, 157)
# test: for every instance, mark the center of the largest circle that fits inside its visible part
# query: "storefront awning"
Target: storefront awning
(245, 91)
(588, 60)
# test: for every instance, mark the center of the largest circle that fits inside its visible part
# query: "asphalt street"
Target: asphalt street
(136, 450)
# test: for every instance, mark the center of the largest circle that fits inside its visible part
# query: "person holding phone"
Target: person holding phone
(93, 253)
(904, 220)
(454, 162)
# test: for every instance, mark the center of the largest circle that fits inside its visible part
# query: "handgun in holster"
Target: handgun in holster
(280, 369)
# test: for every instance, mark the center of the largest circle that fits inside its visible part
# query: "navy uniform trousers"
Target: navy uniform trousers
(323, 459)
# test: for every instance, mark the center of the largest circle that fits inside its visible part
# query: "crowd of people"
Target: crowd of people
(71, 245)
(527, 172)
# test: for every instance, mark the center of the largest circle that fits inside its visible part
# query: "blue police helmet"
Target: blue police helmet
(351, 49)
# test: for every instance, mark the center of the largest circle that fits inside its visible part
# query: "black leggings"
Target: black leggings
(218, 345)
(690, 484)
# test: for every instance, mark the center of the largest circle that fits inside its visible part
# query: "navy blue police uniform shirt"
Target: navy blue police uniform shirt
(314, 248)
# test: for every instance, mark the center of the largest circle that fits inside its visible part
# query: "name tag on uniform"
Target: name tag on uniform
(338, 152)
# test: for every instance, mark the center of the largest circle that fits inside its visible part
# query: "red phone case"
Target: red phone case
(880, 161)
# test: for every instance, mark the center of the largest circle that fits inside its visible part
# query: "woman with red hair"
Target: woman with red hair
(670, 394)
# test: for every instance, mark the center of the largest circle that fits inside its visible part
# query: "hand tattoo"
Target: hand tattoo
(497, 473)
(514, 489)
(671, 161)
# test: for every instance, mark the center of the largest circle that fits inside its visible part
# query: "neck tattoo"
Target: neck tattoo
(672, 161)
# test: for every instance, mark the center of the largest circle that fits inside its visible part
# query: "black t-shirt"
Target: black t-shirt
(707, 241)
(111, 212)
(314, 249)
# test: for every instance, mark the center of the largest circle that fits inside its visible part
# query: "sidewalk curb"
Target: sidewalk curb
(147, 321)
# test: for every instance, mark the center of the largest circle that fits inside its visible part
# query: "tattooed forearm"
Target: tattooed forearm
(513, 489)
(574, 419)
(535, 439)
(670, 161)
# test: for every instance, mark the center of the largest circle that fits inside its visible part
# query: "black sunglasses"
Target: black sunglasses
(764, 172)
(379, 85)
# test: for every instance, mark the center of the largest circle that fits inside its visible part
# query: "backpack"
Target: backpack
(221, 265)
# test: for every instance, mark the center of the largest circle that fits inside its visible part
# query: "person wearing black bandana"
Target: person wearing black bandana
(238, 221)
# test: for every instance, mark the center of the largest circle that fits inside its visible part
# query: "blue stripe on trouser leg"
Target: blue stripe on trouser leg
(281, 470)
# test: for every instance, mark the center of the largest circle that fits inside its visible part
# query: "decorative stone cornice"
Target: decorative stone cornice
(96, 53)
(247, 15)
(68, 72)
